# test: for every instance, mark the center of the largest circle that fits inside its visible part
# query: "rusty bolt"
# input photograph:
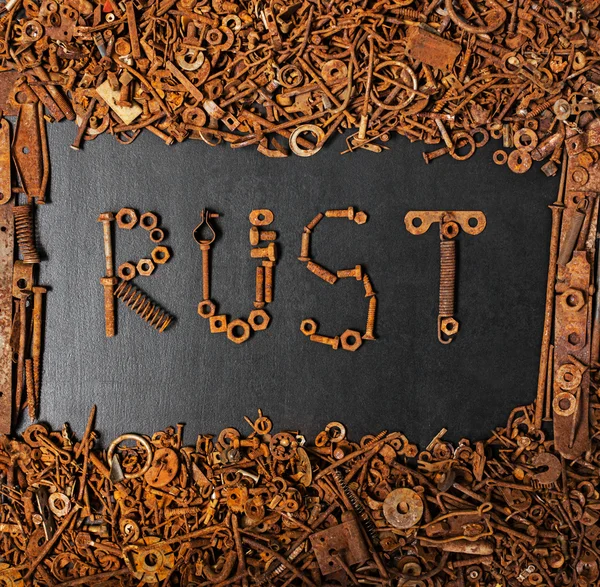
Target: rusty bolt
(321, 272)
(269, 252)
(349, 213)
(257, 235)
(268, 265)
(356, 273)
(259, 301)
(334, 342)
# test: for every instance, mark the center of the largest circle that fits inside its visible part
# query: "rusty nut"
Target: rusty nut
(206, 308)
(351, 340)
(126, 218)
(126, 271)
(149, 220)
(161, 254)
(218, 323)
(308, 326)
(145, 267)
(259, 320)
(238, 331)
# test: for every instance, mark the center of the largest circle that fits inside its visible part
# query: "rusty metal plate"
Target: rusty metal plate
(471, 221)
(7, 82)
(431, 49)
(344, 541)
(6, 270)
(30, 150)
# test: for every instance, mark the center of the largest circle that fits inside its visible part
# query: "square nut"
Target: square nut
(218, 323)
(161, 254)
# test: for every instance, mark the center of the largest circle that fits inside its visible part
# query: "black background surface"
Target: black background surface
(143, 381)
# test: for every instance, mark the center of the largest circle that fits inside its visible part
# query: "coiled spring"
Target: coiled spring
(25, 231)
(143, 306)
(447, 277)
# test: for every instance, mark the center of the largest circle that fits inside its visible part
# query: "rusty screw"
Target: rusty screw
(321, 272)
(368, 286)
(109, 280)
(36, 352)
(368, 335)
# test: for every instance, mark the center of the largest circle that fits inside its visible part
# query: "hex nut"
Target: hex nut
(218, 323)
(146, 267)
(126, 218)
(157, 235)
(259, 320)
(161, 254)
(308, 326)
(206, 308)
(348, 344)
(233, 325)
(126, 271)
(149, 220)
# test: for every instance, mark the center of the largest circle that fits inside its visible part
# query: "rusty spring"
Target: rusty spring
(447, 277)
(143, 306)
(25, 231)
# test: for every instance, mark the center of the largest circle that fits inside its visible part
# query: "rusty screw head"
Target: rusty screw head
(126, 271)
(269, 252)
(259, 319)
(106, 217)
(160, 255)
(145, 267)
(126, 218)
(149, 220)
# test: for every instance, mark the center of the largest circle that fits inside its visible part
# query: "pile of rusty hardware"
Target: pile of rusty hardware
(270, 508)
(251, 74)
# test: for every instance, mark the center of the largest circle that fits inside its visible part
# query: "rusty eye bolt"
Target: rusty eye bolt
(206, 307)
(471, 222)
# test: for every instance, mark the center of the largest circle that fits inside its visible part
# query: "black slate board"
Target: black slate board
(143, 381)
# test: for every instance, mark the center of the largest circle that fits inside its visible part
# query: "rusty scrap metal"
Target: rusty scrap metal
(300, 72)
